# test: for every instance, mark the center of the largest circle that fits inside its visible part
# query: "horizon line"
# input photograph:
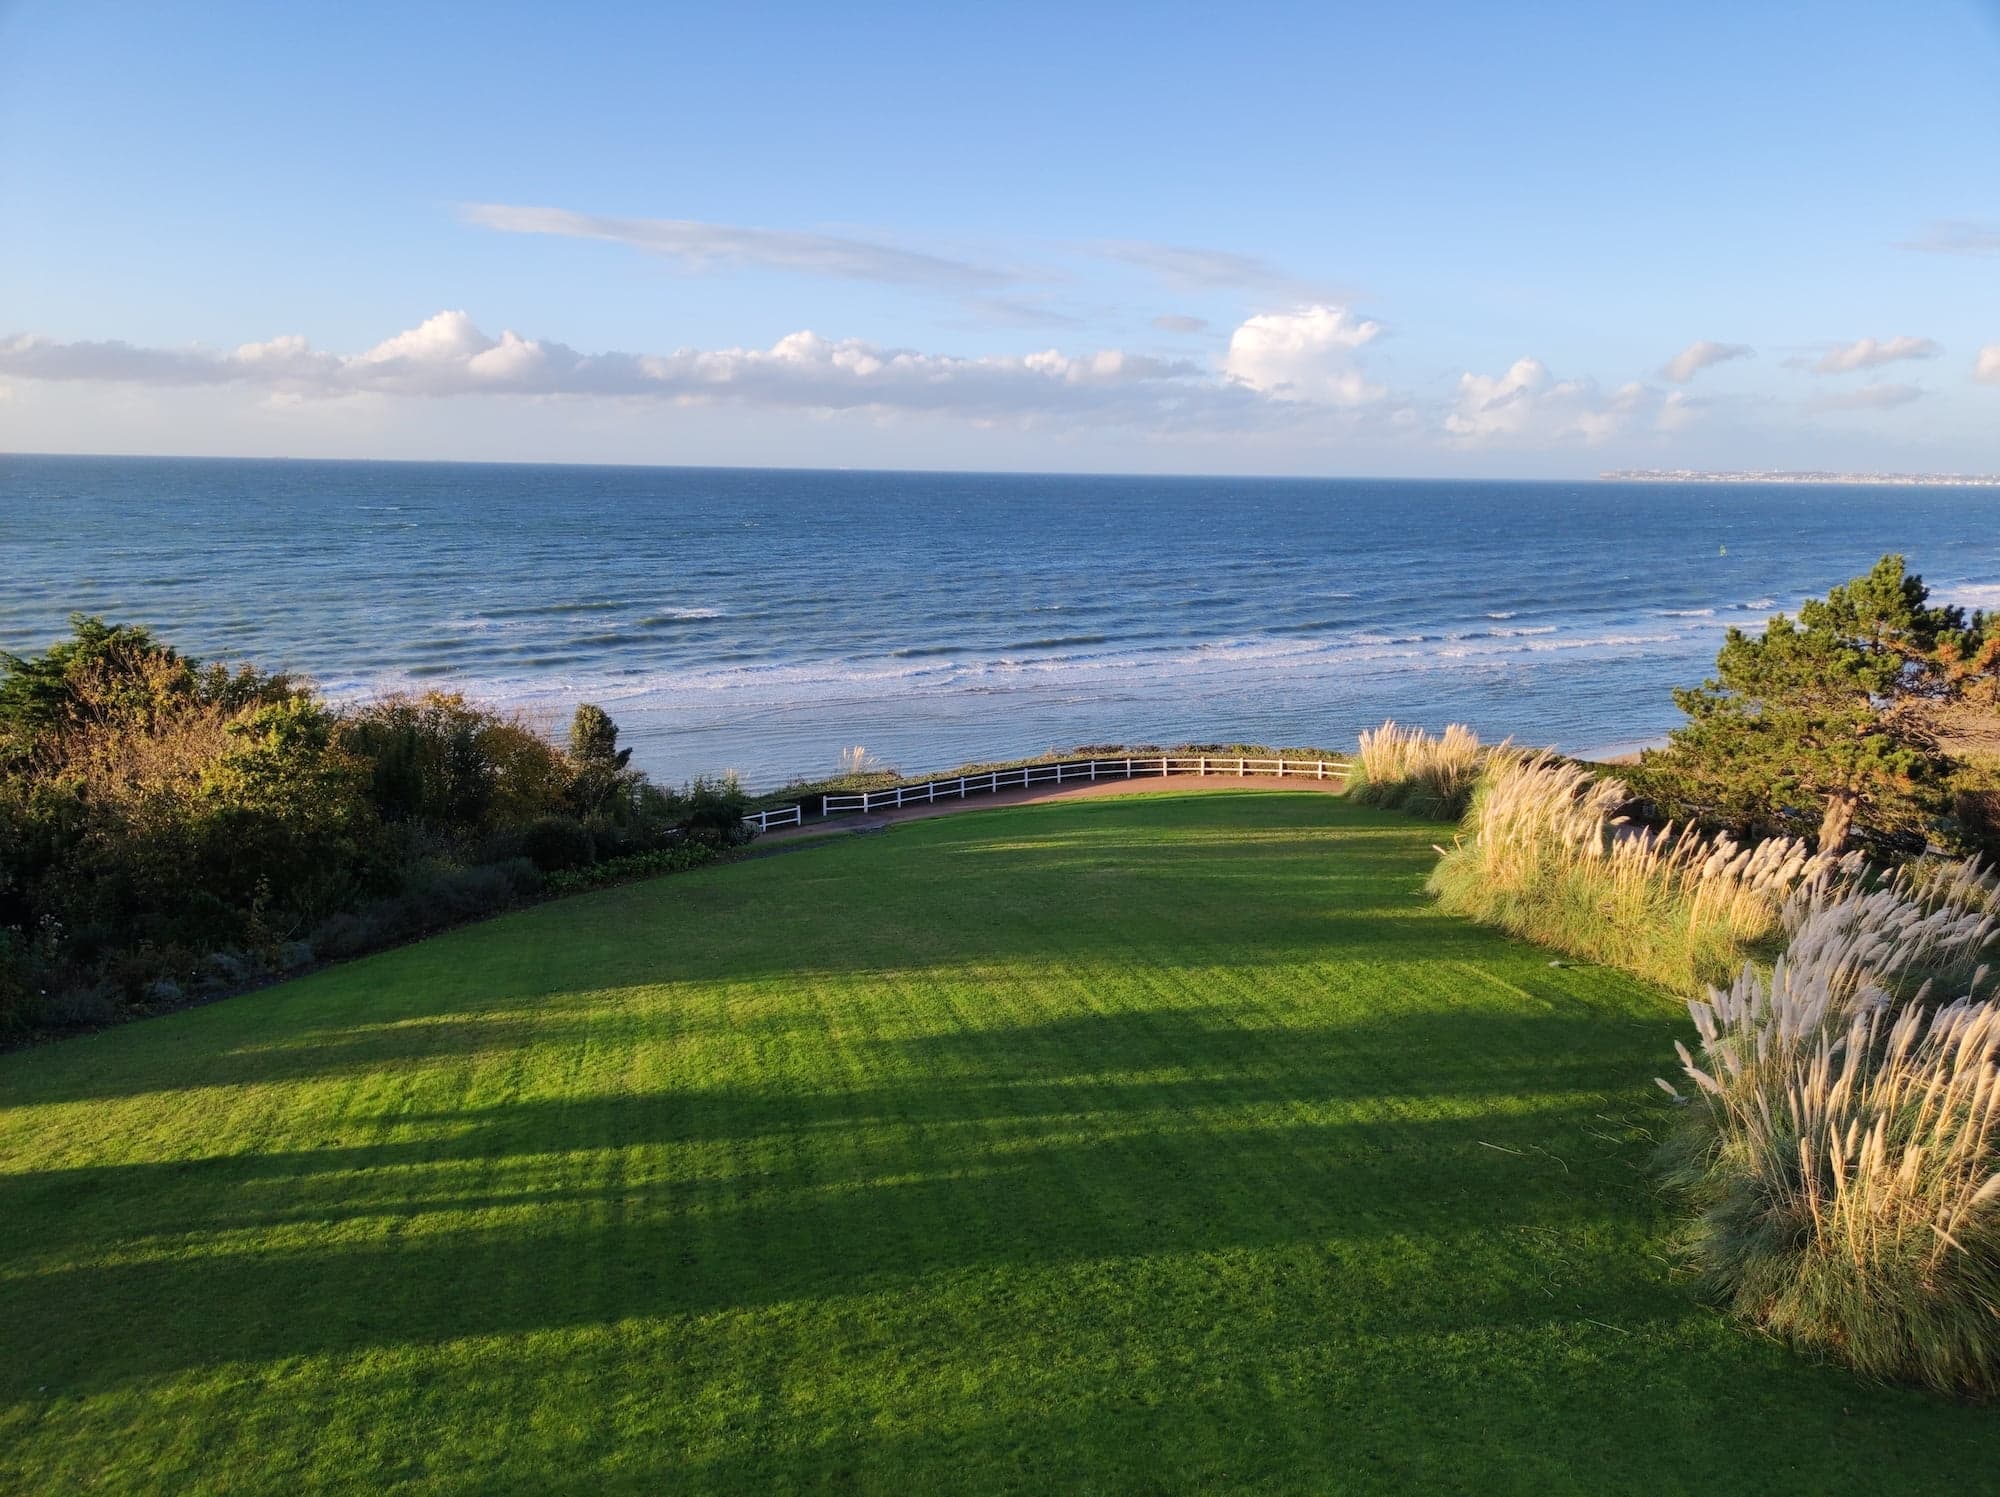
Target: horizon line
(487, 462)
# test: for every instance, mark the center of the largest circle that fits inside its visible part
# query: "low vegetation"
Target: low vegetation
(1152, 1143)
(1844, 1143)
(1548, 853)
(1841, 1140)
(170, 829)
(1407, 769)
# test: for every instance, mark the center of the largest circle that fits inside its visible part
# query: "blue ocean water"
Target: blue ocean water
(765, 620)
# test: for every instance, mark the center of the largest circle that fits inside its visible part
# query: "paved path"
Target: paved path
(875, 821)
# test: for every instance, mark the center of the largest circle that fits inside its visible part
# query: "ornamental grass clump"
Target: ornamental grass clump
(1843, 1145)
(1548, 853)
(1406, 768)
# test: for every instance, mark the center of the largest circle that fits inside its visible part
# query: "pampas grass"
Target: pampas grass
(1407, 768)
(1548, 853)
(1844, 1145)
(1842, 1142)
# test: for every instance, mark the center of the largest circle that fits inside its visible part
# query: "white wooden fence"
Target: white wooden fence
(1067, 772)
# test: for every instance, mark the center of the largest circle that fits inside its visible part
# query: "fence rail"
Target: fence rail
(1065, 772)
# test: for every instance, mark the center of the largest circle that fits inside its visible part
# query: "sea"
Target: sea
(769, 621)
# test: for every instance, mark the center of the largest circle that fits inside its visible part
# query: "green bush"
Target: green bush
(166, 824)
(711, 811)
(556, 843)
(634, 865)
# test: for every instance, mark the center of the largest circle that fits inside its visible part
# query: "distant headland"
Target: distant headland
(1760, 475)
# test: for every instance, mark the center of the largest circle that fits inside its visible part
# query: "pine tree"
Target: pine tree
(1819, 718)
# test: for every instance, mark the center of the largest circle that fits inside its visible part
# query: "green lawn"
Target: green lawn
(1149, 1144)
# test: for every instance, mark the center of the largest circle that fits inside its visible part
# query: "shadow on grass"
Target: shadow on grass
(1142, 1136)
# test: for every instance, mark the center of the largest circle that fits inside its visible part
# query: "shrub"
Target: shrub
(21, 981)
(712, 811)
(673, 859)
(434, 896)
(1548, 853)
(1426, 776)
(554, 843)
(1845, 1147)
(442, 762)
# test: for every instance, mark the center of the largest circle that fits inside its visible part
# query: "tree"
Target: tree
(112, 678)
(601, 781)
(593, 739)
(1821, 718)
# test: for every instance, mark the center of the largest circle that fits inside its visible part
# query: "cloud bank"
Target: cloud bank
(448, 355)
(1304, 373)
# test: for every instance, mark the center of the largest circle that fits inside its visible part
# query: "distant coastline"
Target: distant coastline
(1760, 475)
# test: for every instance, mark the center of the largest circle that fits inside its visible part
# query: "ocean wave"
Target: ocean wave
(1687, 613)
(556, 679)
(1313, 626)
(1059, 642)
(1605, 641)
(559, 610)
(1971, 594)
(678, 616)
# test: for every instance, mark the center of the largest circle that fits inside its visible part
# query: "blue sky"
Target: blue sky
(1313, 239)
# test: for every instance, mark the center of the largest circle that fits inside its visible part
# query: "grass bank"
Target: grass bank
(1166, 1142)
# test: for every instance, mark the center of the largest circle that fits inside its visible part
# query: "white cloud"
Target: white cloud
(1870, 353)
(700, 247)
(1957, 236)
(1527, 404)
(448, 355)
(1306, 355)
(1986, 368)
(1700, 355)
(1867, 398)
(1173, 322)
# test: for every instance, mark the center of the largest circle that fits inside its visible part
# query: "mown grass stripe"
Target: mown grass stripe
(1124, 1145)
